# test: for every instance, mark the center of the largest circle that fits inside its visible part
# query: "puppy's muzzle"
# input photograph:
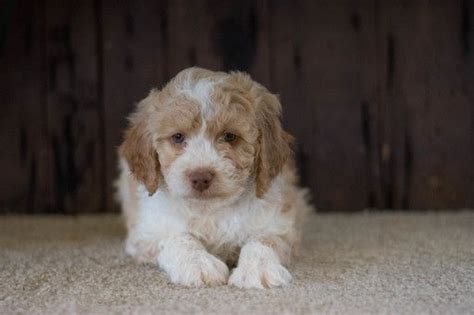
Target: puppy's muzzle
(201, 179)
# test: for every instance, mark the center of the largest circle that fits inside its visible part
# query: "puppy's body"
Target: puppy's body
(207, 181)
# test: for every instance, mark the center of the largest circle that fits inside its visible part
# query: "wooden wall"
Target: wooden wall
(380, 94)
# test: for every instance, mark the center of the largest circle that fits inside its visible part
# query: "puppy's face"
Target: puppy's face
(207, 135)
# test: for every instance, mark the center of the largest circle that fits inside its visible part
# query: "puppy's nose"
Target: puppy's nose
(201, 179)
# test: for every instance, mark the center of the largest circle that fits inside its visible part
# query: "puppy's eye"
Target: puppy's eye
(177, 138)
(229, 137)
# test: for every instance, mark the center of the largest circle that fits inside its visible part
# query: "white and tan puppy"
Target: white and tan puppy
(207, 182)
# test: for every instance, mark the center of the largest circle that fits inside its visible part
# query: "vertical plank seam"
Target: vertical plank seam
(164, 33)
(268, 12)
(45, 200)
(100, 102)
(379, 129)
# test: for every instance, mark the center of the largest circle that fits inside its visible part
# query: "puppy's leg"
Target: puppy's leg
(142, 250)
(187, 262)
(260, 266)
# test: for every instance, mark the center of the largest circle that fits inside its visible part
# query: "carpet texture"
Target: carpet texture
(351, 263)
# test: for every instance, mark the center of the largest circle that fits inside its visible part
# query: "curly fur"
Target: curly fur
(250, 214)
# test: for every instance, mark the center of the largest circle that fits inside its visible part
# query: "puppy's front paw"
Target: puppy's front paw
(268, 275)
(141, 251)
(198, 270)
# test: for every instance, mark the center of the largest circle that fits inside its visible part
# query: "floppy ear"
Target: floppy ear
(274, 147)
(138, 151)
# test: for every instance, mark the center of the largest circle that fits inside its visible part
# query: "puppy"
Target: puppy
(208, 182)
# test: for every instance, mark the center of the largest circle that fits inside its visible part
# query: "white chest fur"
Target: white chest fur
(222, 228)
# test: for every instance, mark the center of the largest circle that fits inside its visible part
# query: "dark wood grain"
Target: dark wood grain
(426, 79)
(239, 36)
(134, 62)
(379, 94)
(73, 106)
(328, 92)
(25, 181)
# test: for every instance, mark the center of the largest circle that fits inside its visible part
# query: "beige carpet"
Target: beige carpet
(362, 263)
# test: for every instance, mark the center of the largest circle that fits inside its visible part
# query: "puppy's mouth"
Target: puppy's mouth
(205, 195)
(212, 193)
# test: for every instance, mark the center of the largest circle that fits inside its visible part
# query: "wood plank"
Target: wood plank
(395, 19)
(135, 61)
(378, 93)
(427, 83)
(324, 53)
(239, 34)
(189, 37)
(224, 35)
(25, 184)
(285, 40)
(73, 106)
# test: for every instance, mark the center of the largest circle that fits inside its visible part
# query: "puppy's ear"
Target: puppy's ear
(274, 147)
(137, 149)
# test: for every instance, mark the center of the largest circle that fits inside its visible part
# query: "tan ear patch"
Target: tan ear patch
(274, 143)
(140, 155)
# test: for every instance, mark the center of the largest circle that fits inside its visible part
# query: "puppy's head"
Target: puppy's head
(207, 135)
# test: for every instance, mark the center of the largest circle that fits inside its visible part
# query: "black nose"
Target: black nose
(201, 179)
